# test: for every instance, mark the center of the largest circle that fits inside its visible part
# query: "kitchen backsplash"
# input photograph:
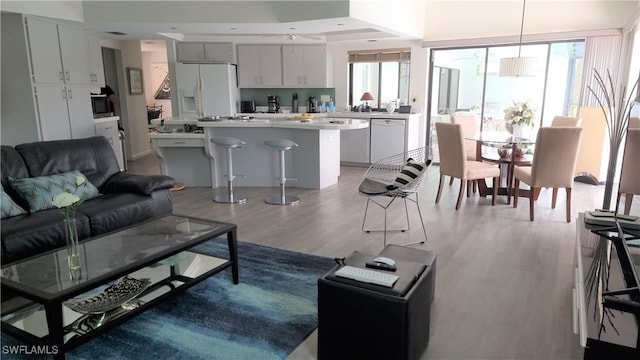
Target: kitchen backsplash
(259, 96)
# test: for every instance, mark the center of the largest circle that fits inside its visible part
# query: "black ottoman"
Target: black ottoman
(358, 320)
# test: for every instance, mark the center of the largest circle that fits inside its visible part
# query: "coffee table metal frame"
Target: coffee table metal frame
(53, 302)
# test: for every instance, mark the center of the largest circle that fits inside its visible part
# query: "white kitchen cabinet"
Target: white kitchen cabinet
(56, 52)
(96, 67)
(197, 52)
(259, 66)
(354, 146)
(46, 64)
(108, 128)
(304, 66)
(40, 99)
(73, 50)
(62, 111)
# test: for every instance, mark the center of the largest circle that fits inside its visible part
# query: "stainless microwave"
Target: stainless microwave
(101, 106)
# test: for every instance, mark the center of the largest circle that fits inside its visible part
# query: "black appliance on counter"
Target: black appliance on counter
(247, 106)
(101, 106)
(273, 103)
(312, 105)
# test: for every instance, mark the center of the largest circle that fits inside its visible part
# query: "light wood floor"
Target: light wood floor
(503, 285)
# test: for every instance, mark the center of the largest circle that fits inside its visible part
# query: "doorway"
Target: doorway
(113, 71)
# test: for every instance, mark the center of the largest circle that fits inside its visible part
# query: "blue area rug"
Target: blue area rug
(266, 316)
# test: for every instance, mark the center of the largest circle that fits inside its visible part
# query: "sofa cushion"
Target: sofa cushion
(26, 235)
(139, 184)
(40, 191)
(8, 206)
(111, 212)
(93, 156)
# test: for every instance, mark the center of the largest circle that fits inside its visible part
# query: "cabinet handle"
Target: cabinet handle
(61, 76)
(304, 79)
(68, 76)
(108, 128)
(64, 93)
(70, 94)
(179, 142)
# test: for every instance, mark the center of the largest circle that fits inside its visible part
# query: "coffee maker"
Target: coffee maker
(274, 103)
(312, 105)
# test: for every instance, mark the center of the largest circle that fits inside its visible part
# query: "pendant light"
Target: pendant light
(519, 66)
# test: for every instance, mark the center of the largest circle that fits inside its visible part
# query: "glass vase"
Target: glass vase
(71, 230)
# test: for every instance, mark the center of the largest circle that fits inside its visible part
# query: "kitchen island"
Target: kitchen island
(315, 163)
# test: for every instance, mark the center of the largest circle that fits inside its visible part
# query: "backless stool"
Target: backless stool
(229, 143)
(282, 145)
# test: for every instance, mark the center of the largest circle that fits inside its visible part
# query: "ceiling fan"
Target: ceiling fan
(293, 37)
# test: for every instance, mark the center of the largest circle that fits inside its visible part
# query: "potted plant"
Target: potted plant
(617, 111)
(519, 116)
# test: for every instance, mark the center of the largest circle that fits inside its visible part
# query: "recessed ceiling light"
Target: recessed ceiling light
(292, 28)
(340, 24)
(234, 28)
(372, 40)
(173, 28)
(116, 33)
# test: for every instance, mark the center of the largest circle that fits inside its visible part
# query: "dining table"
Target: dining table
(502, 140)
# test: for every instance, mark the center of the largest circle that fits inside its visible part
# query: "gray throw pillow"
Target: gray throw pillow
(40, 191)
(9, 207)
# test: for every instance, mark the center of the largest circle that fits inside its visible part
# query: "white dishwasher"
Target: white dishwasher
(387, 137)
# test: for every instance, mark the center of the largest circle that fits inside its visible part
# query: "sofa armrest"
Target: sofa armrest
(140, 184)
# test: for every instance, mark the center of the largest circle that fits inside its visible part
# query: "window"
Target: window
(383, 73)
(467, 80)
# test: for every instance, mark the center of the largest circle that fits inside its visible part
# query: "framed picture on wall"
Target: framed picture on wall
(134, 75)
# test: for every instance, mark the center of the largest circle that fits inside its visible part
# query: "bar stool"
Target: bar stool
(229, 143)
(281, 199)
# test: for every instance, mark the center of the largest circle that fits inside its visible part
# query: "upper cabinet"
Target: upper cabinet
(96, 68)
(260, 66)
(304, 66)
(192, 52)
(55, 50)
(290, 66)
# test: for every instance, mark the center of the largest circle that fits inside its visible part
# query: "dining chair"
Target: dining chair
(566, 121)
(554, 165)
(468, 123)
(454, 162)
(630, 173)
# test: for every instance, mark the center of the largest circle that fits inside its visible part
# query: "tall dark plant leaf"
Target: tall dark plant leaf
(617, 111)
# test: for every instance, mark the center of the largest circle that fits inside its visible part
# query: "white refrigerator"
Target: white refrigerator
(207, 90)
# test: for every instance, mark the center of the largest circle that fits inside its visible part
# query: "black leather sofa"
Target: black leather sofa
(125, 199)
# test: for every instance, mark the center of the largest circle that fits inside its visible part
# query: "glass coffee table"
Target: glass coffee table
(122, 274)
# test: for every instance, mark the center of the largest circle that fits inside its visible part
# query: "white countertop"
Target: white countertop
(353, 115)
(173, 135)
(317, 123)
(106, 119)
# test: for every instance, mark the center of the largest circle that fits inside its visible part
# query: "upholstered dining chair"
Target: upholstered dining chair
(566, 121)
(554, 165)
(454, 163)
(468, 123)
(630, 174)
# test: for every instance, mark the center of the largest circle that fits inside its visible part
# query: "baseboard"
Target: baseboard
(141, 155)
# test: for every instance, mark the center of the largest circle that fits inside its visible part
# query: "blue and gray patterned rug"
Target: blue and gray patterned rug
(266, 316)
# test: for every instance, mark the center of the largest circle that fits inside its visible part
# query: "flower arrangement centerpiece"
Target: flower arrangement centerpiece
(519, 116)
(68, 202)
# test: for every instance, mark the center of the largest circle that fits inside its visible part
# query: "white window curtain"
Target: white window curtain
(602, 53)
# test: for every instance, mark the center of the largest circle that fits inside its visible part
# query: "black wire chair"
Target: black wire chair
(391, 178)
